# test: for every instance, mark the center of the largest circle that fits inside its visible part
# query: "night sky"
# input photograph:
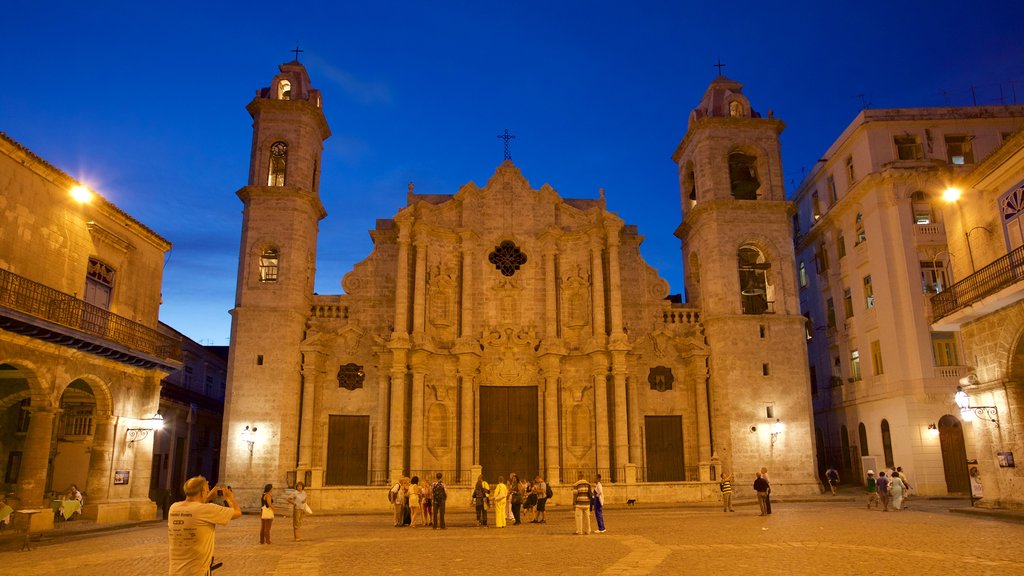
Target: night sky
(146, 105)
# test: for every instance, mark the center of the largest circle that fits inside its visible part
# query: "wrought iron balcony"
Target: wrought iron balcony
(34, 309)
(998, 275)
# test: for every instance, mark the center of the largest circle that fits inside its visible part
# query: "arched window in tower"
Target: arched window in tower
(753, 271)
(284, 90)
(690, 184)
(278, 163)
(862, 431)
(270, 261)
(743, 176)
(735, 109)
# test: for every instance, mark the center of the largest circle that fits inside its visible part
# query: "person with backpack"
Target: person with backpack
(396, 496)
(480, 495)
(832, 475)
(438, 497)
(883, 490)
(543, 492)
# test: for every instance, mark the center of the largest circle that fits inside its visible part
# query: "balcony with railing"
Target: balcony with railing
(36, 310)
(995, 286)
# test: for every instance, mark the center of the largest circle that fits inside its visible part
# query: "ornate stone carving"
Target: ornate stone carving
(660, 378)
(576, 291)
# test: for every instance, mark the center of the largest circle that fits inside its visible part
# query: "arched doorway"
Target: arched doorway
(954, 455)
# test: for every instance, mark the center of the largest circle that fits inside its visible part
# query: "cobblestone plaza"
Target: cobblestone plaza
(835, 536)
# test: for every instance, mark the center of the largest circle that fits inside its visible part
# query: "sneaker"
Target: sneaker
(599, 531)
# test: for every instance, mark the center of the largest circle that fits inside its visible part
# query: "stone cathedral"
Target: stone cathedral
(503, 328)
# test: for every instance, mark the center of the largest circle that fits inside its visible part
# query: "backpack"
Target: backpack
(548, 493)
(393, 492)
(437, 492)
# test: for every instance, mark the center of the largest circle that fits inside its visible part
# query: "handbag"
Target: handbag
(267, 513)
(308, 509)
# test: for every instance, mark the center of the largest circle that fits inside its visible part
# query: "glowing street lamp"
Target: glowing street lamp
(81, 194)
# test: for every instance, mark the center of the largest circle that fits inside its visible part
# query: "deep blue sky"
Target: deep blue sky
(147, 105)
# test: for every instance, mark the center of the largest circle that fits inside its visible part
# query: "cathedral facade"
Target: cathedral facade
(505, 328)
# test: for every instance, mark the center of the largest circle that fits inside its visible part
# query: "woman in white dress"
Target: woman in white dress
(896, 490)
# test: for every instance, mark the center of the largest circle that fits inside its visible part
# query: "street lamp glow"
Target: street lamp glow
(81, 194)
(951, 194)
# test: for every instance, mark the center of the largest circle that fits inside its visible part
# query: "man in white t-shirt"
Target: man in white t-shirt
(191, 525)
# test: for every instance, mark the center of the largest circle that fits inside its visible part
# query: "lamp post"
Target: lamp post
(952, 196)
(968, 412)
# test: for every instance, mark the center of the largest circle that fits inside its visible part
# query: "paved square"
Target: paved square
(829, 537)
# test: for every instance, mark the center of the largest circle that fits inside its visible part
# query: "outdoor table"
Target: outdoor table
(27, 544)
(65, 509)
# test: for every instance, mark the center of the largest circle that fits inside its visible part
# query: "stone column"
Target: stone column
(466, 286)
(419, 297)
(416, 424)
(597, 281)
(614, 278)
(467, 410)
(703, 432)
(635, 440)
(97, 483)
(621, 420)
(600, 376)
(310, 377)
(402, 279)
(35, 457)
(379, 445)
(396, 452)
(551, 371)
(550, 297)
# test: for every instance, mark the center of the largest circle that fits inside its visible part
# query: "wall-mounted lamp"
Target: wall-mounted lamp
(933, 427)
(776, 430)
(249, 436)
(141, 430)
(969, 413)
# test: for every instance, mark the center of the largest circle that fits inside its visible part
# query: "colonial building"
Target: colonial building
(192, 406)
(504, 328)
(80, 356)
(872, 250)
(985, 220)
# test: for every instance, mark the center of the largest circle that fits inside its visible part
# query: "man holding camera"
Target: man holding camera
(191, 525)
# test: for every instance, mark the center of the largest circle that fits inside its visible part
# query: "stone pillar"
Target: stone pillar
(419, 297)
(35, 457)
(396, 452)
(550, 297)
(379, 439)
(467, 411)
(635, 440)
(600, 376)
(416, 425)
(310, 376)
(703, 432)
(621, 421)
(551, 371)
(97, 483)
(614, 278)
(466, 286)
(142, 508)
(597, 281)
(402, 279)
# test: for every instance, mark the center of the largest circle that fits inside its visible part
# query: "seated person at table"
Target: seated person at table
(75, 495)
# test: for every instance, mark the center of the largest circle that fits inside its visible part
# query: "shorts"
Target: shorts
(541, 502)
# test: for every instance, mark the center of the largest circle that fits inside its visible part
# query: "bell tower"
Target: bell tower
(740, 270)
(276, 270)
